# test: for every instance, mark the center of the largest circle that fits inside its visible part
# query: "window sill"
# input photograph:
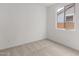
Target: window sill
(65, 29)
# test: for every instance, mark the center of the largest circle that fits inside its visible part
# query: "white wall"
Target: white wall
(21, 23)
(68, 38)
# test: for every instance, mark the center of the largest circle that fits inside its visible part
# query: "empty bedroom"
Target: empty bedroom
(39, 29)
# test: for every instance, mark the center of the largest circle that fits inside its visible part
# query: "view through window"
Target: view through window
(65, 17)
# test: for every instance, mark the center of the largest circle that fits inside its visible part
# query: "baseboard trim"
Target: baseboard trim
(63, 45)
(17, 45)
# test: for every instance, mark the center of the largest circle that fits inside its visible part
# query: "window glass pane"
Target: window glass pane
(69, 17)
(69, 12)
(61, 18)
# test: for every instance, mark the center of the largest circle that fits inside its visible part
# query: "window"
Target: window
(65, 17)
(60, 18)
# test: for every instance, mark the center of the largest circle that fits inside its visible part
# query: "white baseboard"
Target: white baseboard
(20, 43)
